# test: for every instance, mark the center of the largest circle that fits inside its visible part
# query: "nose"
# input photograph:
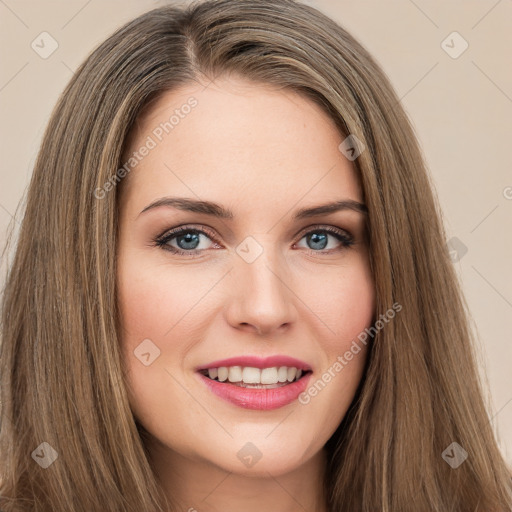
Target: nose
(262, 300)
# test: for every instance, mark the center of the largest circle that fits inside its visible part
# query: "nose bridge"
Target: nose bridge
(261, 264)
(260, 280)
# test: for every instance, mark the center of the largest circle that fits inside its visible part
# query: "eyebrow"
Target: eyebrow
(217, 210)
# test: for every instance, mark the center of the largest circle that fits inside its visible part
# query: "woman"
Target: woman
(231, 288)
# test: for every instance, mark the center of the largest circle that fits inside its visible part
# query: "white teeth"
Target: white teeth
(269, 376)
(249, 375)
(291, 374)
(235, 374)
(282, 374)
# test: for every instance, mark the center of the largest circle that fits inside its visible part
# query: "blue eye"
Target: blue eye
(188, 240)
(319, 239)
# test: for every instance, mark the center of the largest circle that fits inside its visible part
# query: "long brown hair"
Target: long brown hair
(62, 380)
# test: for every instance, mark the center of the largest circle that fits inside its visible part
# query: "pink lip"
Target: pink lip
(260, 399)
(258, 362)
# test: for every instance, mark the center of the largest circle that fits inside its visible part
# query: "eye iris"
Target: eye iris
(318, 238)
(192, 238)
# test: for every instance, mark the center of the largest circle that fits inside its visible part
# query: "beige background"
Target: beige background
(461, 109)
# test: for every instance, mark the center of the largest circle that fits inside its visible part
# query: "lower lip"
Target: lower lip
(259, 399)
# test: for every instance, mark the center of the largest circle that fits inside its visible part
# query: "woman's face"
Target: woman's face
(256, 286)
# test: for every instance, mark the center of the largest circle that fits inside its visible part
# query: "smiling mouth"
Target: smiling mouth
(254, 378)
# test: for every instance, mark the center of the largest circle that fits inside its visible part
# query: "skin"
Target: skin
(262, 153)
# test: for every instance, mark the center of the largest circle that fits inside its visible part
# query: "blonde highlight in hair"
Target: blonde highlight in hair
(62, 378)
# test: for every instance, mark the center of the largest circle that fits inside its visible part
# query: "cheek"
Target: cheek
(346, 308)
(343, 299)
(357, 313)
(160, 314)
(153, 298)
(357, 303)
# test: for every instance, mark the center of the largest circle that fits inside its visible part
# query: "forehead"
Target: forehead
(267, 144)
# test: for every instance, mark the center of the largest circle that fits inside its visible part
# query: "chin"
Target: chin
(262, 456)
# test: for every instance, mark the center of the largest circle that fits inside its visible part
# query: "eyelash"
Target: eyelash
(163, 240)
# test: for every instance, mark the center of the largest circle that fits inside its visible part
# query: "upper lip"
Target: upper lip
(258, 362)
